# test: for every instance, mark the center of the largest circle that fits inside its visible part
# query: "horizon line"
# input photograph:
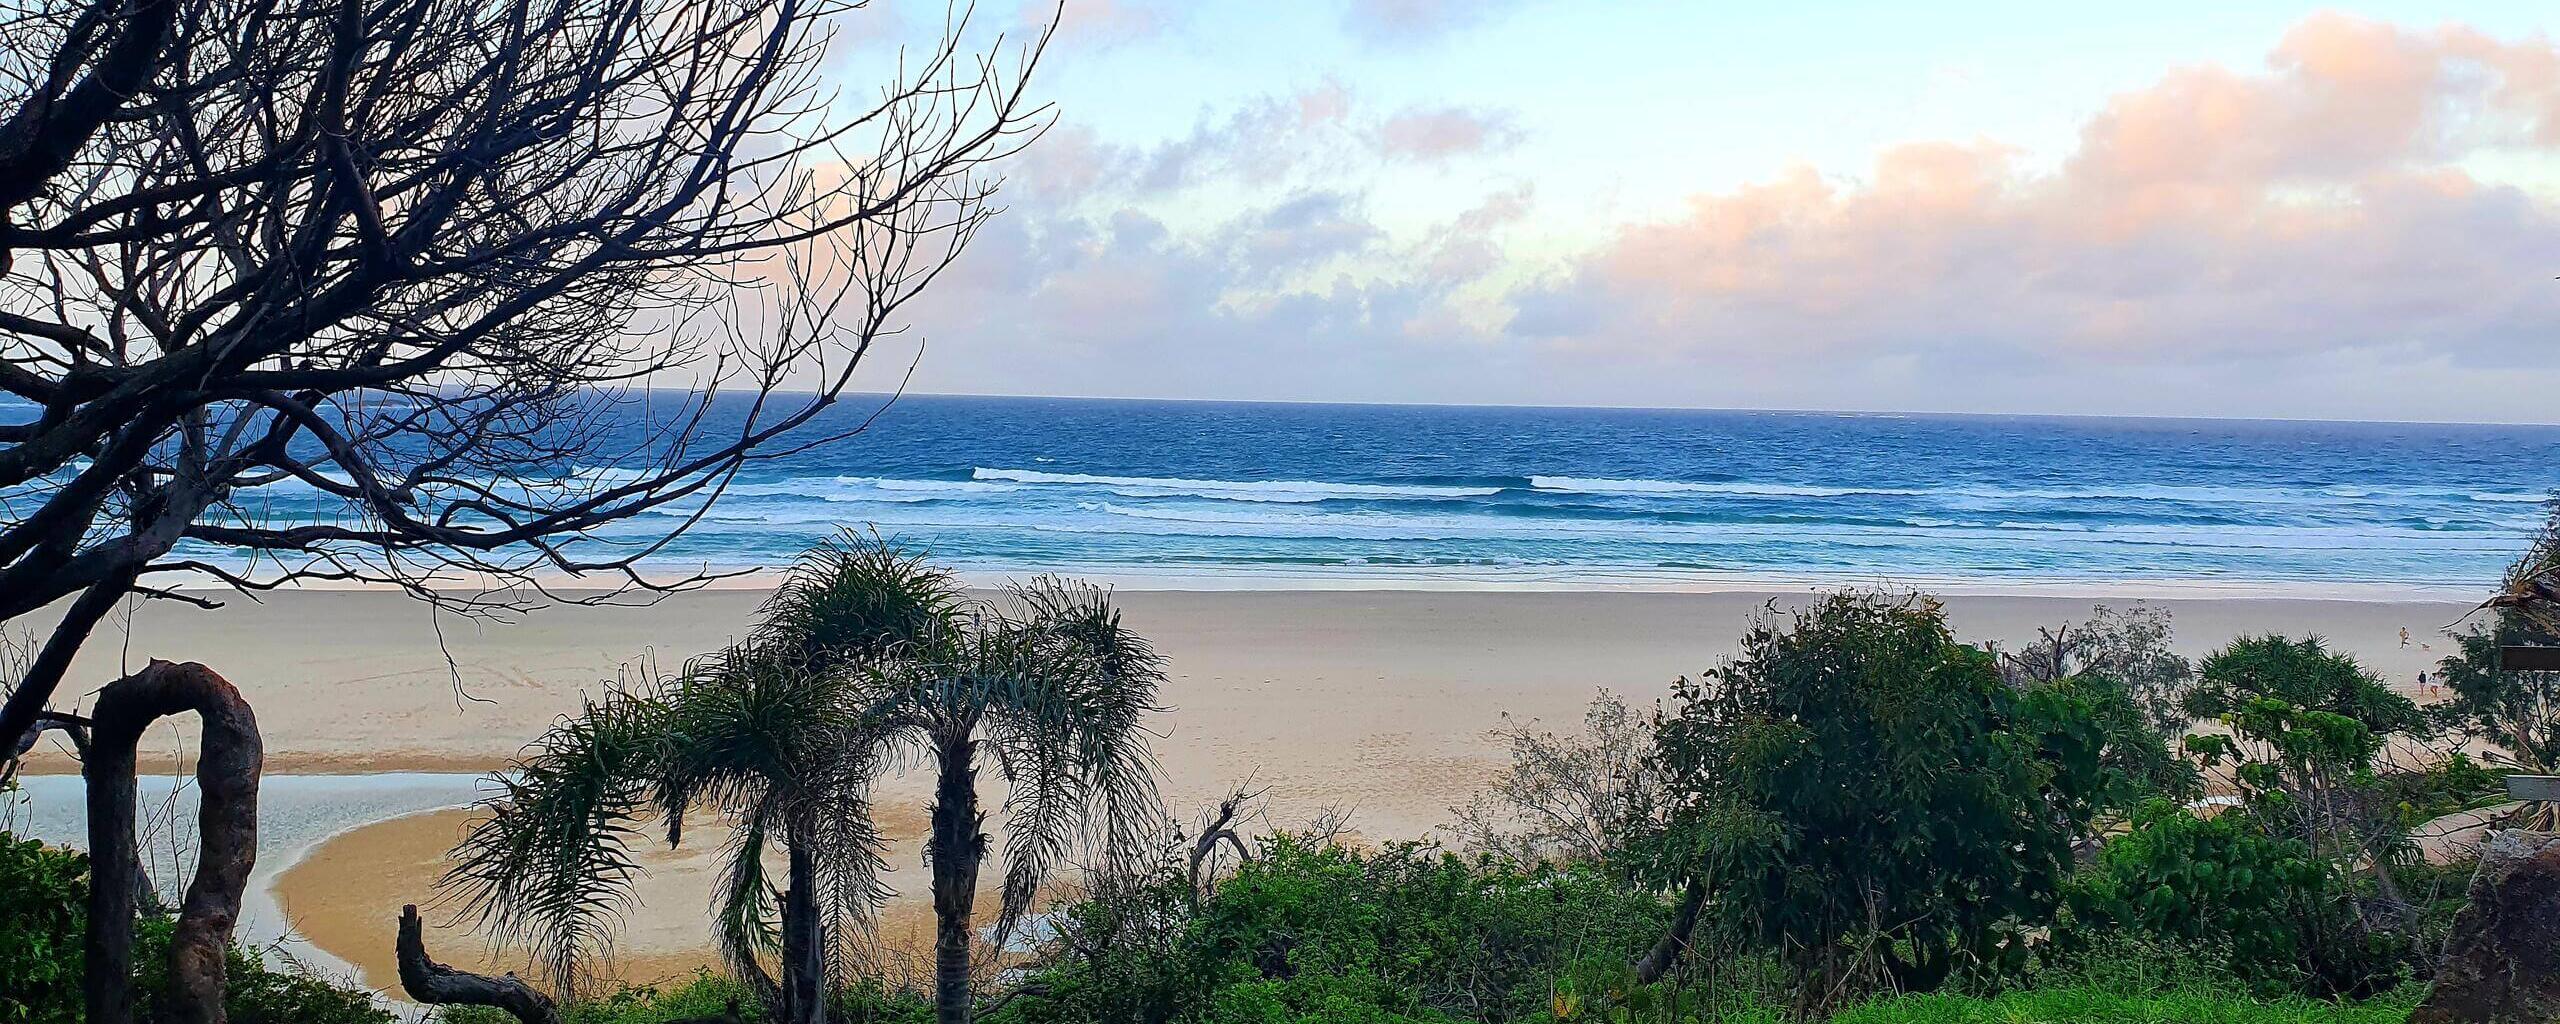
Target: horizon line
(1771, 410)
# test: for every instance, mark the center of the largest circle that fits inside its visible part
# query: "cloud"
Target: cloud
(2322, 205)
(1403, 22)
(2328, 234)
(1093, 25)
(1256, 143)
(1444, 132)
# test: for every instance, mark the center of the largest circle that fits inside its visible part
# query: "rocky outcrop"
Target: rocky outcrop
(2502, 963)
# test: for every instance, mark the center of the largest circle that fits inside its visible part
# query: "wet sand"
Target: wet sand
(1376, 701)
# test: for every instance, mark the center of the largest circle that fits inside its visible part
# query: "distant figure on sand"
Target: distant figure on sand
(2404, 638)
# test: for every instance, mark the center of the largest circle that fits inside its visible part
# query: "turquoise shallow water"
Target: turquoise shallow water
(1528, 496)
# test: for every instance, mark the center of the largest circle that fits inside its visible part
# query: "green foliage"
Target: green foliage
(709, 996)
(2085, 1006)
(2128, 647)
(2305, 728)
(2305, 675)
(2457, 783)
(2226, 883)
(1311, 932)
(2220, 882)
(42, 892)
(2515, 713)
(1856, 786)
(44, 895)
(2135, 762)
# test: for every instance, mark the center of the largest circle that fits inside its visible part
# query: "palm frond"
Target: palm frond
(744, 909)
(856, 597)
(549, 866)
(1069, 689)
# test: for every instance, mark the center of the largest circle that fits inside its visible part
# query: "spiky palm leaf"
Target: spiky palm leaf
(1053, 684)
(549, 866)
(750, 735)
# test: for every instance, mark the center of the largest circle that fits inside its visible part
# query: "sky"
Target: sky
(2167, 208)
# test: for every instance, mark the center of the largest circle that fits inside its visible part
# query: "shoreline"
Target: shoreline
(1560, 580)
(1382, 702)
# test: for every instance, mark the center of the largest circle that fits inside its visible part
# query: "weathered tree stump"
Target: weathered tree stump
(2502, 962)
(436, 984)
(228, 760)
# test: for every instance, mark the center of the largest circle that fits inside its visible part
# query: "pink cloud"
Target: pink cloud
(1444, 132)
(2317, 206)
(1410, 21)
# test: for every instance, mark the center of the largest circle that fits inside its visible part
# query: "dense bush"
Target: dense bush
(2219, 882)
(2305, 674)
(43, 894)
(2084, 1006)
(1320, 932)
(1862, 791)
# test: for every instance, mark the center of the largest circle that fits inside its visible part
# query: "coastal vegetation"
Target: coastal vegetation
(1857, 817)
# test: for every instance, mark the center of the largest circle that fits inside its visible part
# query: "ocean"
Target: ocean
(1246, 494)
(1252, 494)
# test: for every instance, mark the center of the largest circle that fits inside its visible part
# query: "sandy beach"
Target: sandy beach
(1376, 701)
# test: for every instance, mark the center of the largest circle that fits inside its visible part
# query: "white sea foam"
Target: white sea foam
(1234, 490)
(1603, 485)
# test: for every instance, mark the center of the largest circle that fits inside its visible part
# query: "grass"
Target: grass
(2091, 1006)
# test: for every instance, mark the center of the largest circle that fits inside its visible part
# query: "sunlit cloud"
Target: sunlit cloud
(2347, 212)
(2318, 205)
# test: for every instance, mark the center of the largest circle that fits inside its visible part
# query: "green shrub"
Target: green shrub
(2084, 1006)
(1319, 932)
(1857, 787)
(42, 891)
(44, 895)
(2226, 883)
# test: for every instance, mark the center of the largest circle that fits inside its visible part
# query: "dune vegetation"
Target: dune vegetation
(1859, 817)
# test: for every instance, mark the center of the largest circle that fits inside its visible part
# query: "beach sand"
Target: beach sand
(1379, 702)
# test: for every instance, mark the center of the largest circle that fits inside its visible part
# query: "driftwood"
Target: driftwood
(1220, 828)
(227, 764)
(436, 984)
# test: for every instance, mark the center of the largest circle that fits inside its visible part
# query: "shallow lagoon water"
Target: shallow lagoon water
(295, 814)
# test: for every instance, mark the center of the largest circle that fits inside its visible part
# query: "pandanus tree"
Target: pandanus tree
(752, 735)
(867, 660)
(1047, 686)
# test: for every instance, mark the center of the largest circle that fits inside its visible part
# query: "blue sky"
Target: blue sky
(2168, 208)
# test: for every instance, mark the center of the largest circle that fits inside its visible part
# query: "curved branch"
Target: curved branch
(228, 761)
(438, 985)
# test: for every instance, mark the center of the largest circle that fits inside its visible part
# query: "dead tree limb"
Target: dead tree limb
(1220, 828)
(227, 767)
(1666, 951)
(438, 985)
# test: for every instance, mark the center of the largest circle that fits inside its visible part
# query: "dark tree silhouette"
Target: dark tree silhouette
(424, 263)
(226, 849)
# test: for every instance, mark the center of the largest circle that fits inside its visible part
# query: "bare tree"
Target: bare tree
(1568, 797)
(428, 293)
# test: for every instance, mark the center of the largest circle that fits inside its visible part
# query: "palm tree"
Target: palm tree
(866, 660)
(1050, 683)
(752, 734)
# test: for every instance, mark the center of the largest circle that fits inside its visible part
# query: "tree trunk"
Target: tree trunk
(438, 985)
(957, 847)
(804, 963)
(1666, 953)
(228, 760)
